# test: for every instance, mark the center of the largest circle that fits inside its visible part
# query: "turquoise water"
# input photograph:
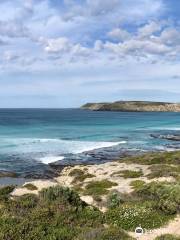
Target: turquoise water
(32, 138)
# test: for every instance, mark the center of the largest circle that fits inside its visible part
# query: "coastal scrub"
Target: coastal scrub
(98, 188)
(79, 175)
(56, 213)
(30, 186)
(128, 174)
(130, 215)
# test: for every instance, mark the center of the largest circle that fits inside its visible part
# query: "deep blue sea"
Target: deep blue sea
(30, 139)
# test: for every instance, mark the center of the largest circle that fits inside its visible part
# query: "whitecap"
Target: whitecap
(49, 150)
(50, 159)
(96, 145)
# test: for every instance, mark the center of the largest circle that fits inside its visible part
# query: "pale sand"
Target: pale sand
(105, 171)
(40, 184)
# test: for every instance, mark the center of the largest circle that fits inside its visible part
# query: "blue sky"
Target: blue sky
(63, 53)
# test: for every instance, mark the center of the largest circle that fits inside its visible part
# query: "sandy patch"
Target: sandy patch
(40, 184)
(106, 170)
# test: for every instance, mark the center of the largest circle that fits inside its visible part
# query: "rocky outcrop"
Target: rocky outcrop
(134, 106)
(8, 174)
(166, 137)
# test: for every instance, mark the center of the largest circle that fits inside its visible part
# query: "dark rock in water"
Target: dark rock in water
(173, 146)
(57, 167)
(166, 137)
(42, 174)
(8, 174)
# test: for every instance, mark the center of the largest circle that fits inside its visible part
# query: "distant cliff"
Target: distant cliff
(134, 106)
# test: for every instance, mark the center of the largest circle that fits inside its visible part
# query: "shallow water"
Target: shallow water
(6, 181)
(32, 138)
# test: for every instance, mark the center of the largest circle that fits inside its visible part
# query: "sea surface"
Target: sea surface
(31, 139)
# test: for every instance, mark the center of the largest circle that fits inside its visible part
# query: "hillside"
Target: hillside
(134, 106)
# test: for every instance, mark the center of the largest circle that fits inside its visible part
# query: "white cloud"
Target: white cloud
(101, 7)
(58, 45)
(114, 10)
(9, 56)
(149, 29)
(93, 30)
(170, 36)
(98, 45)
(138, 48)
(64, 47)
(119, 34)
(13, 29)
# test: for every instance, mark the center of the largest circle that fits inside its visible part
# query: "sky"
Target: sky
(64, 53)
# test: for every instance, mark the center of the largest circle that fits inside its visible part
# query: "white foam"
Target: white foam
(91, 146)
(50, 159)
(50, 150)
(167, 149)
(97, 145)
(164, 128)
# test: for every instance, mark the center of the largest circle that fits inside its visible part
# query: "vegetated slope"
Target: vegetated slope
(134, 106)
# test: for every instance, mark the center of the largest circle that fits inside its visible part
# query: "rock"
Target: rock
(8, 174)
(166, 137)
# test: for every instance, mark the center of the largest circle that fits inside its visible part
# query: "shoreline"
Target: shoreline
(122, 176)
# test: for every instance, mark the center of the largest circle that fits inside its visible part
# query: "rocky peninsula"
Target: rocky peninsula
(133, 106)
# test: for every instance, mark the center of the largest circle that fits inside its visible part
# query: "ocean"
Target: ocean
(31, 139)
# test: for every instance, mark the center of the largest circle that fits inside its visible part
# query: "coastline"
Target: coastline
(123, 176)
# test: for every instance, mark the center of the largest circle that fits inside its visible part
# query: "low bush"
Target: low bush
(136, 184)
(5, 192)
(128, 174)
(60, 193)
(30, 186)
(130, 215)
(96, 188)
(114, 199)
(57, 213)
(155, 158)
(166, 195)
(162, 170)
(26, 201)
(79, 175)
(111, 233)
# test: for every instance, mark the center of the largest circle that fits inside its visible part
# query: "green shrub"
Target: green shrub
(77, 188)
(79, 175)
(27, 201)
(96, 188)
(63, 194)
(57, 213)
(136, 184)
(168, 237)
(30, 186)
(162, 170)
(129, 216)
(114, 199)
(155, 158)
(128, 174)
(110, 233)
(5, 192)
(167, 195)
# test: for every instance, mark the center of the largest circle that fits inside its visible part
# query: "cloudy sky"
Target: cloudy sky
(63, 53)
